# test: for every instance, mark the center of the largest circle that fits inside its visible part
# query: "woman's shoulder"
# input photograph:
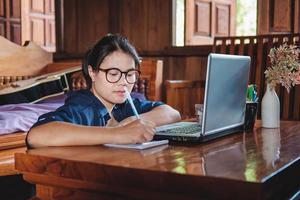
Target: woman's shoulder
(81, 99)
(79, 96)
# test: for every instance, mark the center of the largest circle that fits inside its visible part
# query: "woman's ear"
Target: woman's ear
(92, 73)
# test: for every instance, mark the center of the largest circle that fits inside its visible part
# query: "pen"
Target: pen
(131, 104)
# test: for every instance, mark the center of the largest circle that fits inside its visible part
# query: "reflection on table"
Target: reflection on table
(262, 164)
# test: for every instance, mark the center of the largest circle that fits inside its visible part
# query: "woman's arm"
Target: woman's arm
(161, 115)
(67, 134)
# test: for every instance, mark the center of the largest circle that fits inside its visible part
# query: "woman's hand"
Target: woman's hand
(137, 131)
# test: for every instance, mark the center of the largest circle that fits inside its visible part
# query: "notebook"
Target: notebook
(142, 146)
(224, 102)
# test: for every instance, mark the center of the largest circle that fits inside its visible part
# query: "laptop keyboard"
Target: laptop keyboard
(184, 130)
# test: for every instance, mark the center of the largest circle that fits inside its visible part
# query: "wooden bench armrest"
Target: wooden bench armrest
(184, 94)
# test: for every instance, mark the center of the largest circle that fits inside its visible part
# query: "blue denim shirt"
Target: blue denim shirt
(83, 108)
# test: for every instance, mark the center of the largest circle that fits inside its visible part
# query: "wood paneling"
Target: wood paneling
(183, 95)
(203, 11)
(152, 70)
(195, 33)
(10, 22)
(84, 22)
(37, 6)
(222, 20)
(296, 17)
(281, 16)
(186, 68)
(2, 18)
(50, 34)
(37, 31)
(2, 29)
(145, 23)
(278, 16)
(38, 23)
(183, 68)
(208, 18)
(15, 9)
(2, 8)
(131, 19)
(15, 30)
(158, 26)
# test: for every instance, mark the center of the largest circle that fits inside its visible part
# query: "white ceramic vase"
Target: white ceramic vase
(270, 109)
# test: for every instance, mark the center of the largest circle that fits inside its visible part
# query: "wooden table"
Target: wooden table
(9, 145)
(263, 164)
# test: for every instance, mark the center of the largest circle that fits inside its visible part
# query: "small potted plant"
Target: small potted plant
(284, 70)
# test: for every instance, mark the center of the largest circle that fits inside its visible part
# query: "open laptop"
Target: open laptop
(224, 102)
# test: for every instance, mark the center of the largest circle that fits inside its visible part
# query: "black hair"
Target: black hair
(107, 45)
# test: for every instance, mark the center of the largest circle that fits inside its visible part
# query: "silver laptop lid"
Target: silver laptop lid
(225, 92)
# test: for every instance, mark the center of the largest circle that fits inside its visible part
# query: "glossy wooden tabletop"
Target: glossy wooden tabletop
(249, 156)
(261, 164)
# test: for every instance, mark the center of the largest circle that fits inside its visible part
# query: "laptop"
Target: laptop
(224, 102)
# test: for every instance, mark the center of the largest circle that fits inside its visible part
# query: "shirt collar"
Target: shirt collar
(102, 109)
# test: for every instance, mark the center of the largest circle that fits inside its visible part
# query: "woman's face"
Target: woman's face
(112, 93)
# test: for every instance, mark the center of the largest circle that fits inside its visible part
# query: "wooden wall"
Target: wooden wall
(38, 23)
(148, 25)
(206, 19)
(278, 16)
(10, 20)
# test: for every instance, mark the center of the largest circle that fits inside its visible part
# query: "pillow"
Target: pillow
(20, 117)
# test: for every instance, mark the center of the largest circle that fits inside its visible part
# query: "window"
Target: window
(246, 17)
(197, 22)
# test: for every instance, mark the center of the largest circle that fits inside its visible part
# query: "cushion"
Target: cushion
(20, 117)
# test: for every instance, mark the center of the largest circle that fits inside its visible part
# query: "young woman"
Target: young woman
(102, 114)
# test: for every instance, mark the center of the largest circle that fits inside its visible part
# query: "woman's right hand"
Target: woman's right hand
(137, 131)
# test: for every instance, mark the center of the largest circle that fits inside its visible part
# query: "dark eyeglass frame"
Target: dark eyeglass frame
(126, 73)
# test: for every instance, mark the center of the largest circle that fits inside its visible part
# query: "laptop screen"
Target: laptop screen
(225, 92)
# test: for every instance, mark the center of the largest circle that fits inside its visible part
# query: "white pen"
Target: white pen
(131, 103)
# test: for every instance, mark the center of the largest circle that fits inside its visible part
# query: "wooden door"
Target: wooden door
(38, 23)
(206, 19)
(278, 16)
(10, 20)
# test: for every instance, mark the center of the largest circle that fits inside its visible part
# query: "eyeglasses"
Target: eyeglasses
(113, 75)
